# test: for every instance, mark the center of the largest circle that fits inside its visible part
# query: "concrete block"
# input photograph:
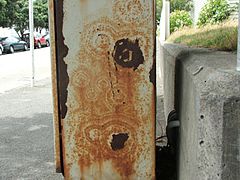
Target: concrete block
(204, 88)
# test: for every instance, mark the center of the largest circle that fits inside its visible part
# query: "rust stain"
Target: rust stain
(106, 141)
(106, 97)
(66, 168)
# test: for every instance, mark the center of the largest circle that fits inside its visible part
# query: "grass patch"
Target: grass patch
(221, 36)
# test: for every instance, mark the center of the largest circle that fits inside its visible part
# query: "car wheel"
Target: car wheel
(39, 45)
(11, 49)
(25, 47)
(47, 43)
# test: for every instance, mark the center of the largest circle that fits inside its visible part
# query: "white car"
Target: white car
(1, 49)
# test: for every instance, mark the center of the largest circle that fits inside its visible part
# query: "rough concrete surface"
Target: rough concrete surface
(26, 134)
(204, 87)
(160, 122)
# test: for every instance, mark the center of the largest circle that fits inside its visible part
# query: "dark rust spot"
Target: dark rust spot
(118, 141)
(152, 76)
(58, 170)
(152, 73)
(201, 142)
(128, 54)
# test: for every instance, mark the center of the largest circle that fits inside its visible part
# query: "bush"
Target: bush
(186, 5)
(179, 19)
(214, 11)
(158, 10)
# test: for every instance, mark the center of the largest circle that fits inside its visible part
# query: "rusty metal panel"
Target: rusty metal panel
(106, 88)
(54, 89)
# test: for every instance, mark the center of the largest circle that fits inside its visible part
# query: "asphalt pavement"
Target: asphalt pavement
(26, 134)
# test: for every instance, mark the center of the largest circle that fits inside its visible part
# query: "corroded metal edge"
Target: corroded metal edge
(155, 86)
(56, 121)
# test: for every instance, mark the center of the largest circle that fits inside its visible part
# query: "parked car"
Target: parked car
(39, 40)
(1, 49)
(11, 44)
(47, 37)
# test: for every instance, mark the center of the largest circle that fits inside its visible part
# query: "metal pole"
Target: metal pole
(238, 48)
(167, 17)
(31, 40)
(162, 23)
(165, 21)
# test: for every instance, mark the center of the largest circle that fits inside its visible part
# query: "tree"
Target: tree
(14, 13)
(40, 13)
(174, 5)
(7, 8)
(214, 11)
(180, 5)
(21, 21)
(158, 9)
(3, 4)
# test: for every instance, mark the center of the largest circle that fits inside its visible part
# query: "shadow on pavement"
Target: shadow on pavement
(27, 148)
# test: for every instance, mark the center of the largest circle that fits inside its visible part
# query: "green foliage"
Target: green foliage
(21, 20)
(7, 12)
(40, 14)
(158, 9)
(179, 19)
(214, 11)
(3, 4)
(186, 5)
(15, 13)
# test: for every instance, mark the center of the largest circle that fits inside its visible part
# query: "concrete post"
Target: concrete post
(165, 21)
(204, 88)
(167, 17)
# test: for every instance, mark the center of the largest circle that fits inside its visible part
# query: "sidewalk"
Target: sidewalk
(26, 134)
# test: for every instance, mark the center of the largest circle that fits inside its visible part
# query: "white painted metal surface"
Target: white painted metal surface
(165, 21)
(108, 107)
(31, 40)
